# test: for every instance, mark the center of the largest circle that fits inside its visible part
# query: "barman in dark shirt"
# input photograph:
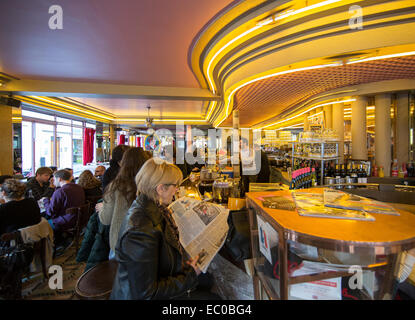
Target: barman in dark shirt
(17, 212)
(67, 195)
(41, 185)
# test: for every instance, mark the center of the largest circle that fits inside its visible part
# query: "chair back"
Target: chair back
(96, 283)
(82, 215)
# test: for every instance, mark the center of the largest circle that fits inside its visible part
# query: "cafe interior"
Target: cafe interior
(318, 95)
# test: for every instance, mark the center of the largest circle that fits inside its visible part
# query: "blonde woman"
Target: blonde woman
(152, 262)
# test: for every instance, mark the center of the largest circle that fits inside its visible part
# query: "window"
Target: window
(77, 144)
(63, 120)
(44, 145)
(31, 114)
(46, 142)
(64, 146)
(27, 148)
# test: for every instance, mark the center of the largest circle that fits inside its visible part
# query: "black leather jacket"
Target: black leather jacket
(149, 263)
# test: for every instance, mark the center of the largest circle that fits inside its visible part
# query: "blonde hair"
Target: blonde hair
(154, 173)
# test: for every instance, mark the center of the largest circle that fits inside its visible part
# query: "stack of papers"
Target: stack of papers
(312, 205)
(343, 200)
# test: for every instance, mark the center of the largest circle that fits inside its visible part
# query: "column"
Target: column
(6, 140)
(328, 116)
(402, 128)
(113, 138)
(306, 122)
(338, 126)
(359, 135)
(235, 144)
(383, 140)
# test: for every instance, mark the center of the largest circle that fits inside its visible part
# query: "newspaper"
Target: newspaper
(203, 228)
(312, 205)
(343, 200)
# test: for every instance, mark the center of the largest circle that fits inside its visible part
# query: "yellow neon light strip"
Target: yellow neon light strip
(212, 107)
(160, 120)
(261, 24)
(312, 108)
(71, 107)
(395, 55)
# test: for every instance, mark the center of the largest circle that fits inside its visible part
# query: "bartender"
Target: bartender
(249, 160)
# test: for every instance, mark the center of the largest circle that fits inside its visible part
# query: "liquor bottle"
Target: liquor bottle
(363, 174)
(342, 171)
(395, 168)
(375, 171)
(313, 177)
(348, 170)
(293, 180)
(405, 172)
(381, 172)
(337, 172)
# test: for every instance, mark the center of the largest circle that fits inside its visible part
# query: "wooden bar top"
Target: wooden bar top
(385, 230)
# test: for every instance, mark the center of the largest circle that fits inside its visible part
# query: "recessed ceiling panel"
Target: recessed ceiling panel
(266, 98)
(138, 107)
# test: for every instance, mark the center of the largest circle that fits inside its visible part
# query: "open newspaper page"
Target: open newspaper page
(343, 200)
(312, 205)
(203, 228)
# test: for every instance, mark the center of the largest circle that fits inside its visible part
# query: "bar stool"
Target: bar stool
(96, 283)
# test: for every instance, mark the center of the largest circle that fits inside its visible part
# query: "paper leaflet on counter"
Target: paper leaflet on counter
(312, 205)
(343, 200)
(203, 228)
(267, 237)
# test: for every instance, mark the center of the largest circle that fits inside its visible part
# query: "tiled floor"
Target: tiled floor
(38, 289)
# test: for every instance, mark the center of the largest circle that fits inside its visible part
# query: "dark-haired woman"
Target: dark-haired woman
(120, 193)
(17, 212)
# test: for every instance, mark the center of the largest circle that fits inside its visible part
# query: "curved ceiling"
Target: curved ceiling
(281, 37)
(198, 59)
(275, 95)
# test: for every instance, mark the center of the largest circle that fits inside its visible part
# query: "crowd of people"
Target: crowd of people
(131, 223)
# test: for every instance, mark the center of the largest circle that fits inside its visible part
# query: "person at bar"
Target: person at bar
(41, 185)
(67, 195)
(91, 185)
(152, 264)
(112, 171)
(17, 212)
(99, 172)
(120, 193)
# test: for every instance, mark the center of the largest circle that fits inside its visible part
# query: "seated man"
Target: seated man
(67, 196)
(40, 185)
(99, 172)
(71, 172)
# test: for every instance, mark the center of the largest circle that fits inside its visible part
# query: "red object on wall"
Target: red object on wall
(88, 145)
(138, 141)
(121, 139)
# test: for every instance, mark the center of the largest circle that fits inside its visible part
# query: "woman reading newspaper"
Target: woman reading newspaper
(152, 262)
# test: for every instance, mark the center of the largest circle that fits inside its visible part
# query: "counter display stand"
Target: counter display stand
(333, 249)
(320, 157)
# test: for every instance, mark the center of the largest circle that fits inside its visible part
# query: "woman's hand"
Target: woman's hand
(99, 206)
(192, 263)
